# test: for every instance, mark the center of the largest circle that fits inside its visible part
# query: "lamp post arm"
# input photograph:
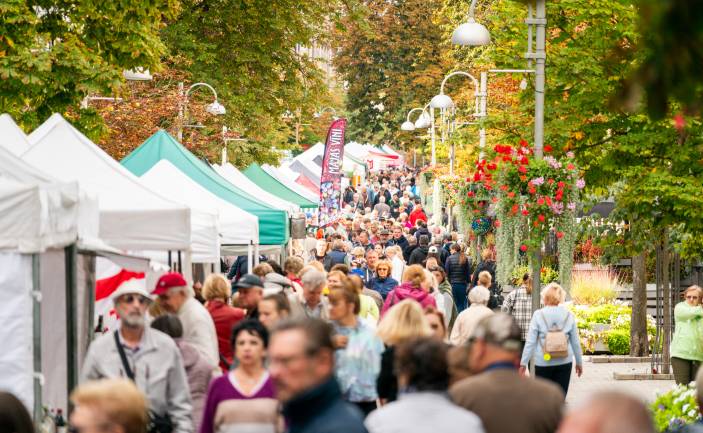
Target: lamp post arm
(412, 111)
(472, 9)
(462, 73)
(194, 86)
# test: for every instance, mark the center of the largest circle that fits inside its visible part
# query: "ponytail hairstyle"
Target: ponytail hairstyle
(459, 249)
(415, 275)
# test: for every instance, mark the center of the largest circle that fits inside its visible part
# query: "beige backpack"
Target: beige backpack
(556, 342)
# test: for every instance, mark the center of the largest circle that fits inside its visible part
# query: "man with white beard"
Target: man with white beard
(148, 357)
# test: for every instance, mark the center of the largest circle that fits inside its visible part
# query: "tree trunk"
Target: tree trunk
(666, 294)
(639, 343)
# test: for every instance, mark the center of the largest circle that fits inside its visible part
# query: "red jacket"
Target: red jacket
(417, 214)
(225, 317)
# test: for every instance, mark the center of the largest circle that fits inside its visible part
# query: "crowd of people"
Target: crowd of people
(383, 325)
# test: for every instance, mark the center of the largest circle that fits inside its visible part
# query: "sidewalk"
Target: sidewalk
(599, 377)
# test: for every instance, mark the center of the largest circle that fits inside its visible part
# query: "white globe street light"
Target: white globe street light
(216, 108)
(471, 33)
(137, 74)
(442, 101)
(407, 126)
(424, 121)
(213, 108)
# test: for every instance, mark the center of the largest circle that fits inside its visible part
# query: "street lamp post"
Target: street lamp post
(226, 140)
(444, 102)
(423, 121)
(473, 34)
(213, 108)
(322, 111)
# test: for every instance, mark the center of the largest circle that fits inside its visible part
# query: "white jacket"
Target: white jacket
(199, 330)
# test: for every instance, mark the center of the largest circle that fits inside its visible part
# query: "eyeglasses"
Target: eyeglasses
(691, 297)
(128, 299)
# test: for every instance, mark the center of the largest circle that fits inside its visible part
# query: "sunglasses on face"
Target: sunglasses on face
(128, 299)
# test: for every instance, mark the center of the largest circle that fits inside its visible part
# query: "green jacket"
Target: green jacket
(688, 334)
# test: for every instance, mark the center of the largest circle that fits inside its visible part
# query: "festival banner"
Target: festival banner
(330, 181)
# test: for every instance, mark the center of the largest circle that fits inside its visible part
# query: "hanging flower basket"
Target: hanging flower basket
(481, 225)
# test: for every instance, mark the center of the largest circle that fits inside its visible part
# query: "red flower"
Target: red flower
(561, 184)
(514, 209)
(497, 223)
(477, 176)
(550, 181)
(541, 218)
(548, 148)
(511, 194)
(531, 190)
(570, 166)
(523, 248)
(525, 212)
(560, 235)
(523, 142)
(524, 160)
(494, 199)
(535, 223)
(504, 187)
(559, 196)
(549, 201)
(540, 201)
(507, 159)
(470, 194)
(492, 166)
(679, 122)
(523, 178)
(522, 169)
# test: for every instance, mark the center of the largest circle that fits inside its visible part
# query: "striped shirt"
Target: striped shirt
(519, 305)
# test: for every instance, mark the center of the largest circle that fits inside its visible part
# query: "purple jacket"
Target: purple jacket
(407, 291)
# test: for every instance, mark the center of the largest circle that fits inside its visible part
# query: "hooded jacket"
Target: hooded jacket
(407, 291)
(418, 255)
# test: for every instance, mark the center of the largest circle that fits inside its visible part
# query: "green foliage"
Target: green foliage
(392, 62)
(618, 341)
(55, 52)
(674, 409)
(547, 274)
(248, 52)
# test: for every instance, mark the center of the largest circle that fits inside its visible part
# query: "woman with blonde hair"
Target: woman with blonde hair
(395, 255)
(553, 338)
(687, 344)
(382, 282)
(414, 287)
(404, 321)
(116, 404)
(217, 291)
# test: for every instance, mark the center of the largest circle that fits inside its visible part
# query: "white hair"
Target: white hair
(313, 279)
(479, 295)
(382, 199)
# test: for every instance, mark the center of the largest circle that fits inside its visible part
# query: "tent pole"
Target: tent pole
(180, 263)
(36, 338)
(250, 262)
(256, 255)
(170, 262)
(71, 343)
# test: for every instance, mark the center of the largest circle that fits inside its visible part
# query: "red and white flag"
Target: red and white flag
(108, 278)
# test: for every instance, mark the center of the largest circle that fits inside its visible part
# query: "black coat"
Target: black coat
(457, 272)
(490, 266)
(387, 382)
(418, 255)
(322, 410)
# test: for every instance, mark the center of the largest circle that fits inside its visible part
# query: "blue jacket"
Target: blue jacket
(555, 317)
(383, 286)
(334, 257)
(322, 410)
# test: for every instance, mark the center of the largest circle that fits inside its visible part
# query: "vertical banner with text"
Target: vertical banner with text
(330, 181)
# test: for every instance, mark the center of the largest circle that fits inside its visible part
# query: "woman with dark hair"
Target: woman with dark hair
(421, 366)
(458, 269)
(518, 304)
(13, 415)
(198, 369)
(243, 400)
(272, 309)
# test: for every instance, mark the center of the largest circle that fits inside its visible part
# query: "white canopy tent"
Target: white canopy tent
(132, 217)
(236, 226)
(13, 138)
(236, 177)
(312, 159)
(290, 183)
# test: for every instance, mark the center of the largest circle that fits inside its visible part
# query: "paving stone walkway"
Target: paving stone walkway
(599, 377)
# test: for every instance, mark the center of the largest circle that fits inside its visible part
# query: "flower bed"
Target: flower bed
(675, 408)
(607, 326)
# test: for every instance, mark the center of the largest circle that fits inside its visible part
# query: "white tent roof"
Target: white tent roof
(237, 227)
(236, 177)
(308, 157)
(290, 183)
(13, 138)
(35, 213)
(132, 217)
(389, 150)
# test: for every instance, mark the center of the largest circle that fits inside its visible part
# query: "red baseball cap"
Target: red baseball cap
(168, 280)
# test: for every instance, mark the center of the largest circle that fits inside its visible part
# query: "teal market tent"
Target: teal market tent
(273, 223)
(260, 177)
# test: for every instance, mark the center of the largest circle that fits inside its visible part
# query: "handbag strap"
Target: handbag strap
(123, 357)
